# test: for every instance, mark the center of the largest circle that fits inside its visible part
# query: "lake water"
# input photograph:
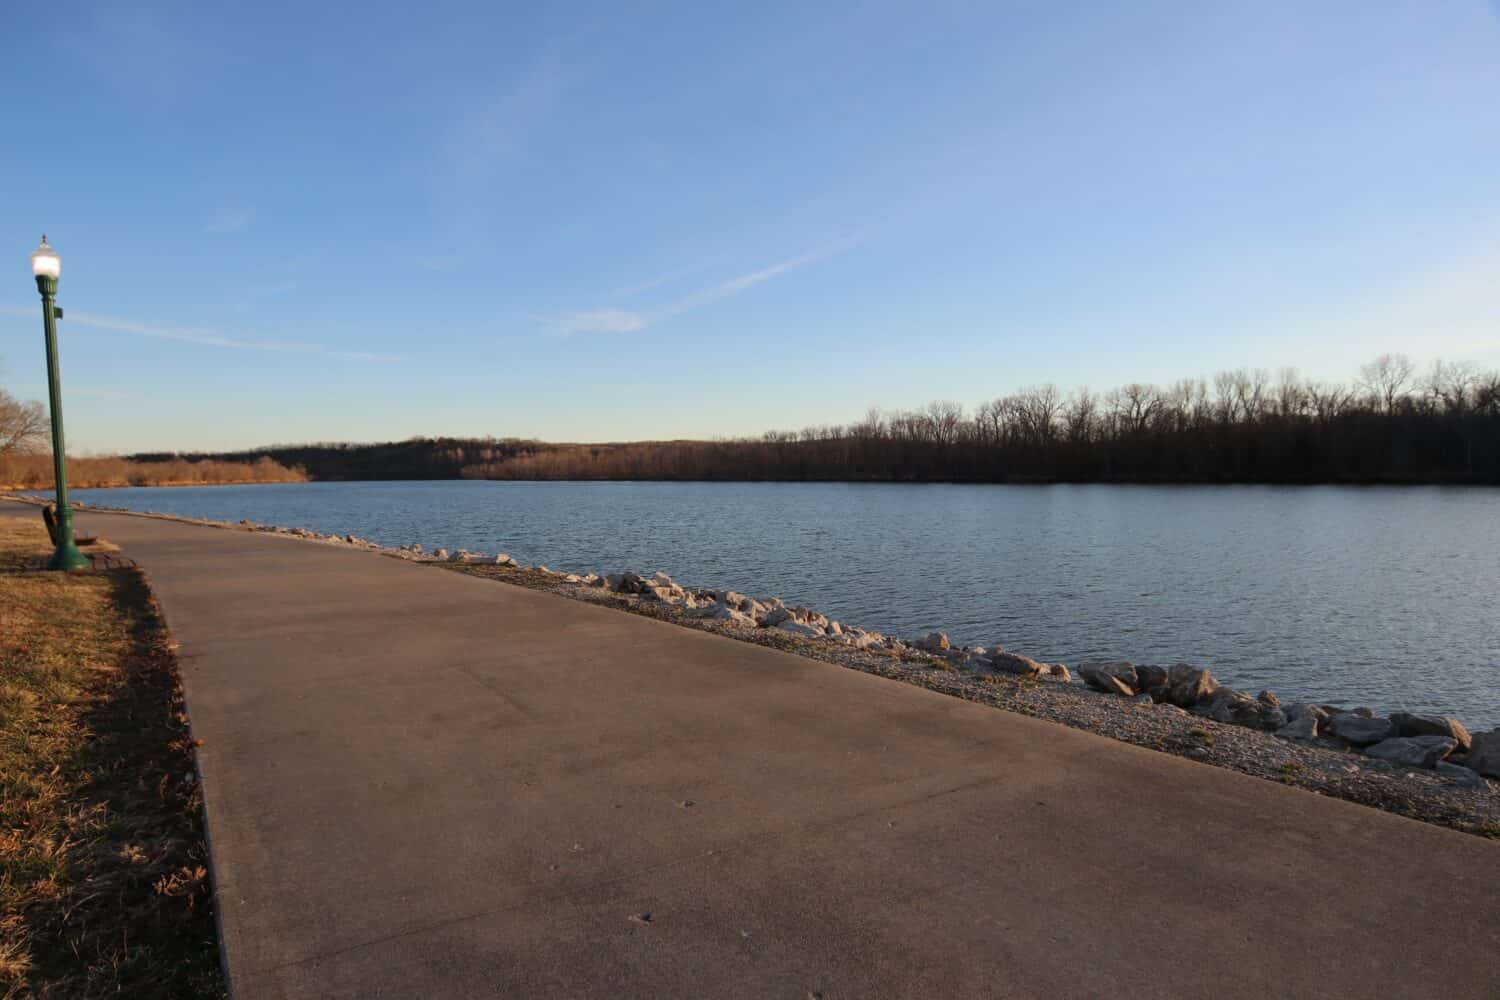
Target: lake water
(1384, 597)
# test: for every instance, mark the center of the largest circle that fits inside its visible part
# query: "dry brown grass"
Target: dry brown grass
(25, 546)
(103, 870)
(22, 544)
(33, 471)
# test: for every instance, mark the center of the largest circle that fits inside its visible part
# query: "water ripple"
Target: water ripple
(1372, 595)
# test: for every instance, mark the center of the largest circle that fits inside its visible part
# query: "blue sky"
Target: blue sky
(283, 223)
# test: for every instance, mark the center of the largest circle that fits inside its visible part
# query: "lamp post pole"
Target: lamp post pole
(46, 265)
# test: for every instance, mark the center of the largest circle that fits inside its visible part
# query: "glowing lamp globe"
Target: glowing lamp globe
(45, 263)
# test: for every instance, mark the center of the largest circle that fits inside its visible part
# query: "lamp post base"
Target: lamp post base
(67, 557)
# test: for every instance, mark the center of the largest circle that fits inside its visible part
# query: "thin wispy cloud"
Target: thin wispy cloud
(745, 282)
(656, 282)
(260, 293)
(497, 131)
(230, 220)
(597, 321)
(206, 337)
(611, 320)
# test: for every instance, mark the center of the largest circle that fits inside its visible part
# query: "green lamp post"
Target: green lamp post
(47, 266)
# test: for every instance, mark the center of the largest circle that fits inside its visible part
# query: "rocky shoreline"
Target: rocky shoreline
(1426, 767)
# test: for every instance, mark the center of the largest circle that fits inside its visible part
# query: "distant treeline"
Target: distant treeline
(33, 471)
(1391, 425)
(418, 458)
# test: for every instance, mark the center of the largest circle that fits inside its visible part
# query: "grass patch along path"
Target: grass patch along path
(104, 887)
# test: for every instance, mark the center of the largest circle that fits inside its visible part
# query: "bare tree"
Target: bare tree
(23, 426)
(1036, 409)
(1251, 389)
(1080, 416)
(989, 422)
(1185, 403)
(1242, 395)
(943, 419)
(1290, 394)
(1453, 384)
(1137, 404)
(1387, 379)
(1487, 393)
(1226, 396)
(872, 427)
(1327, 400)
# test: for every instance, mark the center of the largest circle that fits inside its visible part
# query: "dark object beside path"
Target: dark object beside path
(49, 518)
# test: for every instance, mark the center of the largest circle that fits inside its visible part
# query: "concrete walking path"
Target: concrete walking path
(423, 784)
